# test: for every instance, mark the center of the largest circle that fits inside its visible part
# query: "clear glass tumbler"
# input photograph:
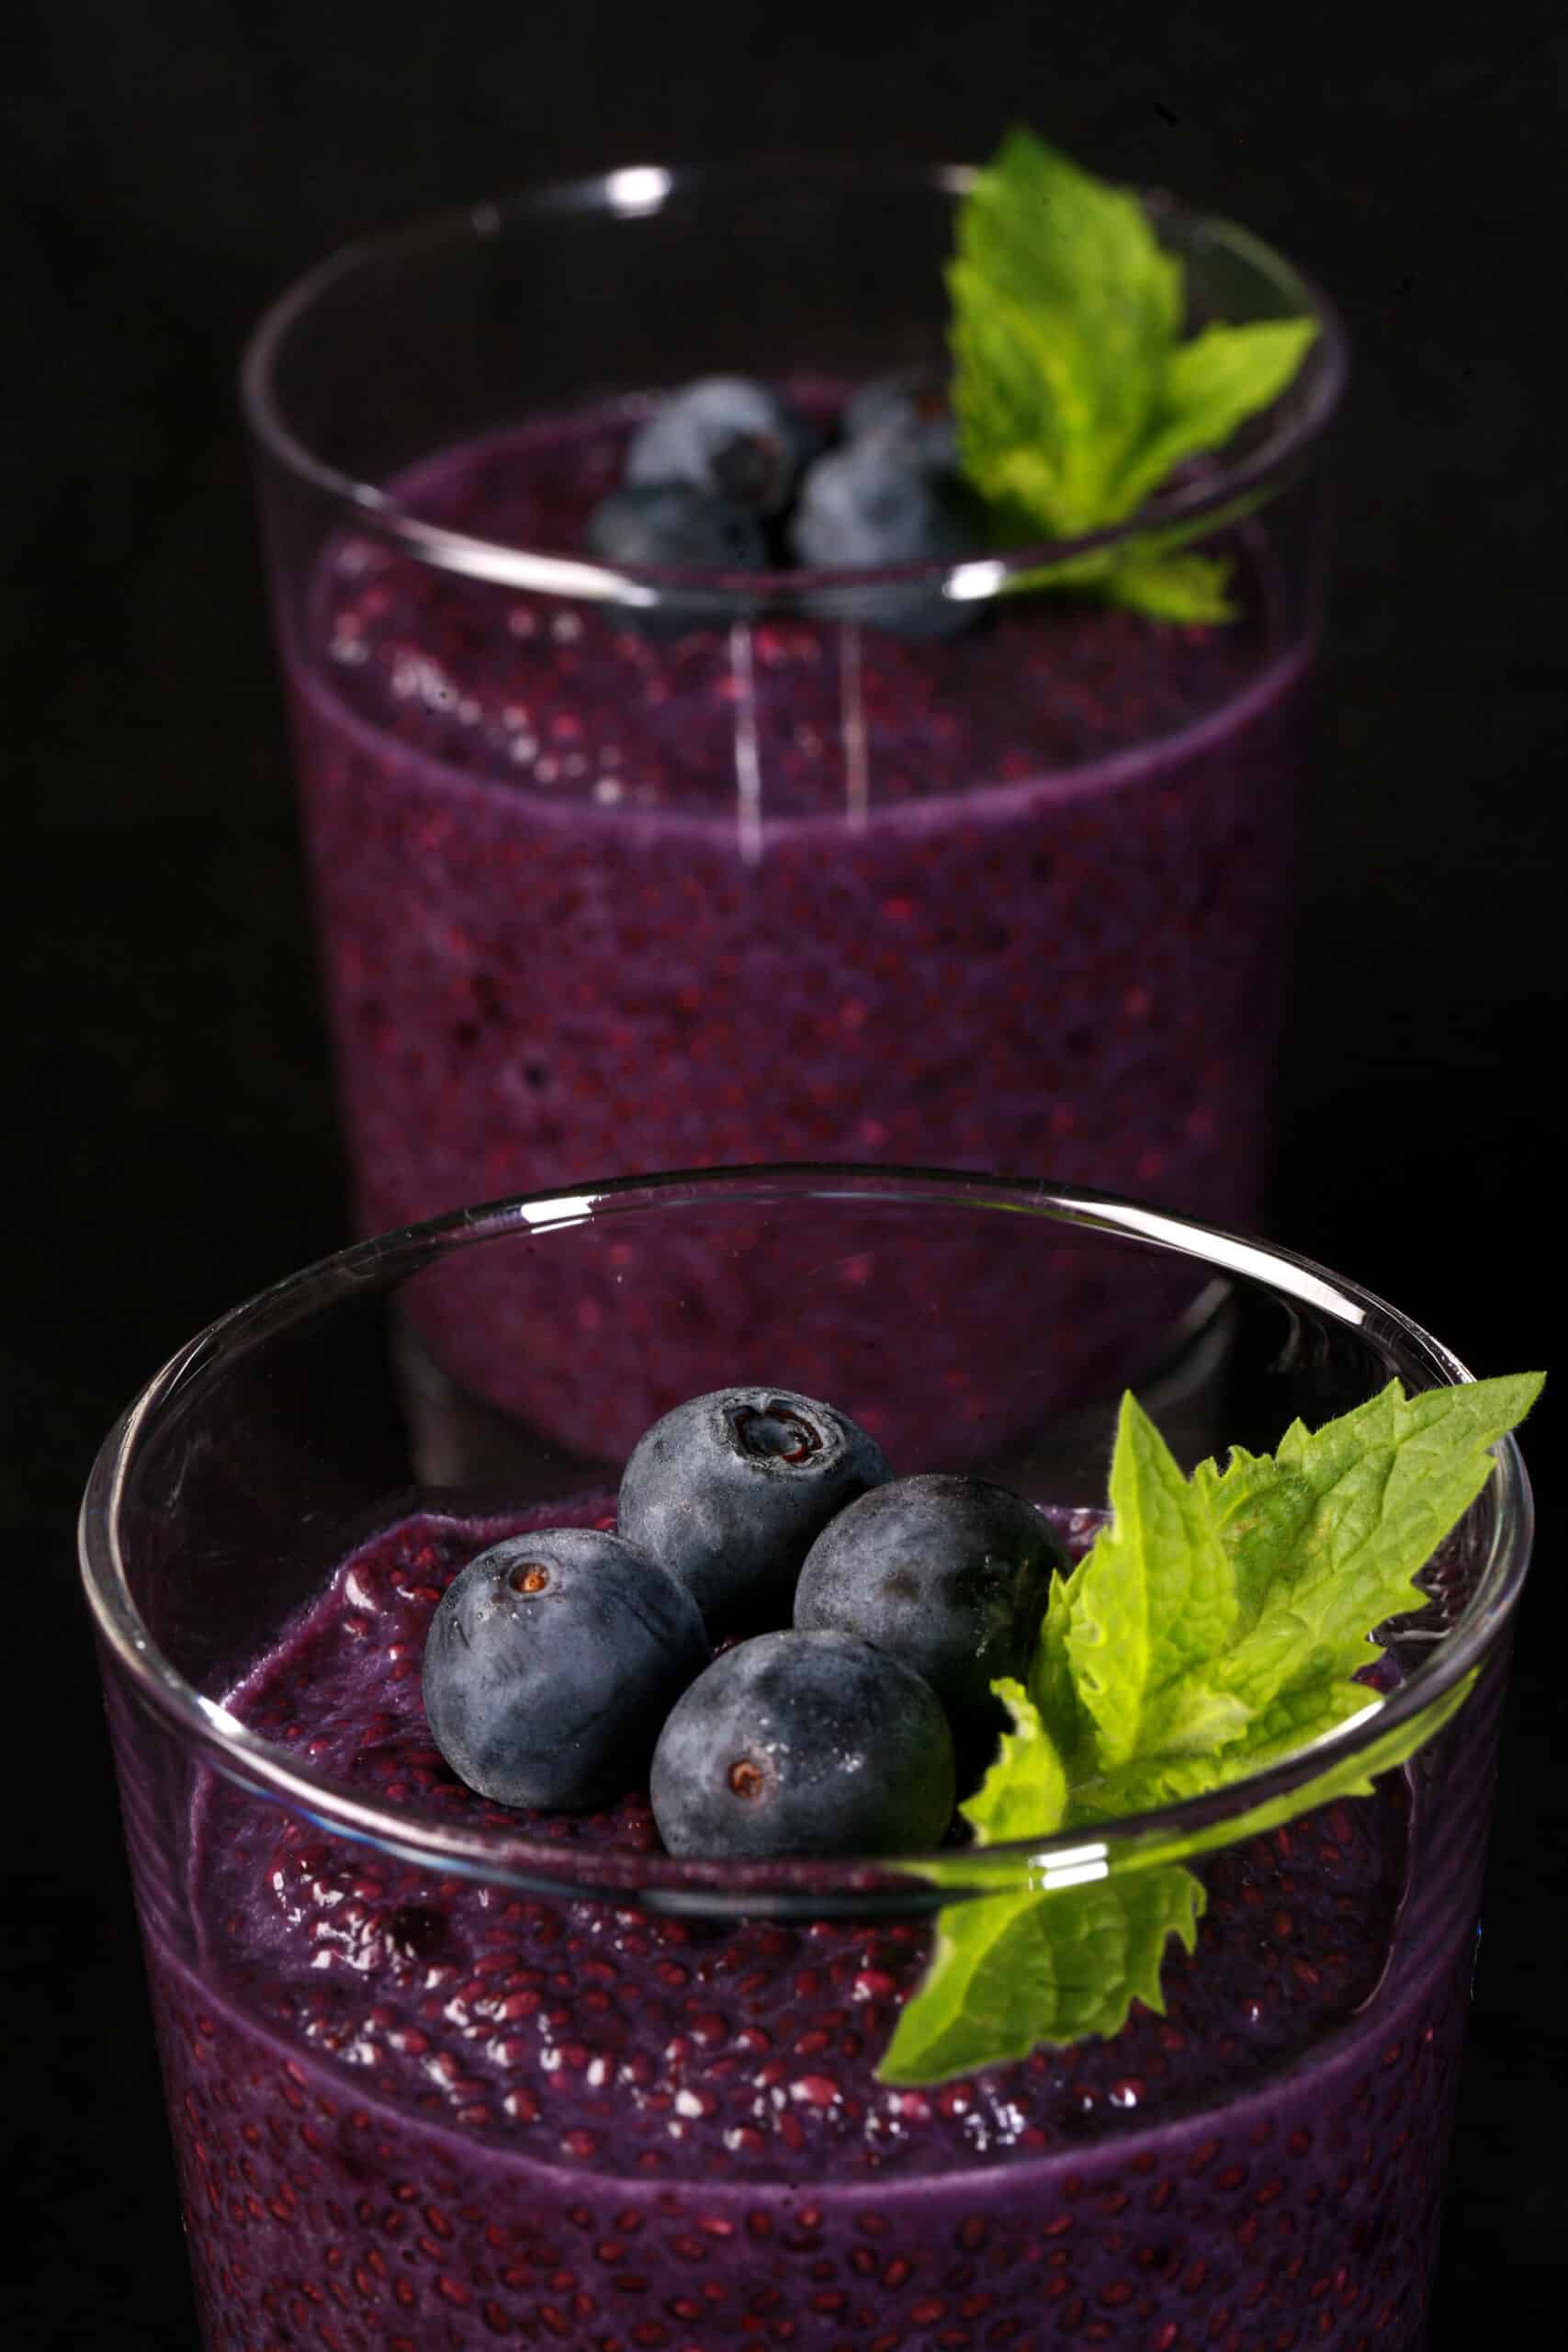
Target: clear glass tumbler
(440, 2076)
(625, 870)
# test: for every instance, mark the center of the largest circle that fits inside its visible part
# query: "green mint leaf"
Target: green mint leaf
(1215, 1626)
(1284, 1729)
(1148, 573)
(988, 1983)
(1144, 575)
(1009, 1972)
(1012, 1971)
(1212, 385)
(1352, 1777)
(1156, 1603)
(1171, 587)
(1064, 310)
(1051, 1685)
(1074, 393)
(1328, 1537)
(1024, 1794)
(1355, 1776)
(982, 1871)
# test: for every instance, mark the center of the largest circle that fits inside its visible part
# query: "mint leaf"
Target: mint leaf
(980, 1872)
(1010, 1972)
(990, 1983)
(1164, 1780)
(1211, 386)
(1156, 1603)
(1051, 1685)
(1074, 393)
(1024, 1794)
(1328, 1537)
(1325, 1540)
(1150, 573)
(1065, 309)
(1171, 587)
(1144, 574)
(1355, 1776)
(1215, 1626)
(1013, 1969)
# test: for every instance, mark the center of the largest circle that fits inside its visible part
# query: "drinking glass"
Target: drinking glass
(626, 869)
(440, 2075)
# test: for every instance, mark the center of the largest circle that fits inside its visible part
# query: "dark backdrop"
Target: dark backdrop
(167, 1115)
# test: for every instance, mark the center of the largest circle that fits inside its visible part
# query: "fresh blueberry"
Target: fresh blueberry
(675, 524)
(727, 436)
(870, 503)
(729, 1491)
(912, 404)
(950, 1575)
(551, 1663)
(803, 1744)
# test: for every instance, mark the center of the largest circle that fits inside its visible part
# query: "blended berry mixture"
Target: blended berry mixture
(415, 2114)
(596, 900)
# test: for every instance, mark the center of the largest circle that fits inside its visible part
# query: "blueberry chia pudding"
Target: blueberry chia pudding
(594, 899)
(418, 2112)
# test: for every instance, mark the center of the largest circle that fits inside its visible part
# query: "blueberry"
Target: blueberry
(727, 436)
(912, 404)
(672, 523)
(950, 1575)
(729, 1490)
(870, 503)
(551, 1663)
(803, 1744)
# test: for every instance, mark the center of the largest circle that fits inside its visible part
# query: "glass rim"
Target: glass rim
(534, 1865)
(637, 191)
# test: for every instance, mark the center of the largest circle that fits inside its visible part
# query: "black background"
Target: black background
(168, 1121)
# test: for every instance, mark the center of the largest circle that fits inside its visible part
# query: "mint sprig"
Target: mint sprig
(1075, 391)
(1216, 1626)
(1002, 1964)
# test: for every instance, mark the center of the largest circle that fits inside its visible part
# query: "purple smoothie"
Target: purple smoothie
(592, 901)
(417, 2113)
